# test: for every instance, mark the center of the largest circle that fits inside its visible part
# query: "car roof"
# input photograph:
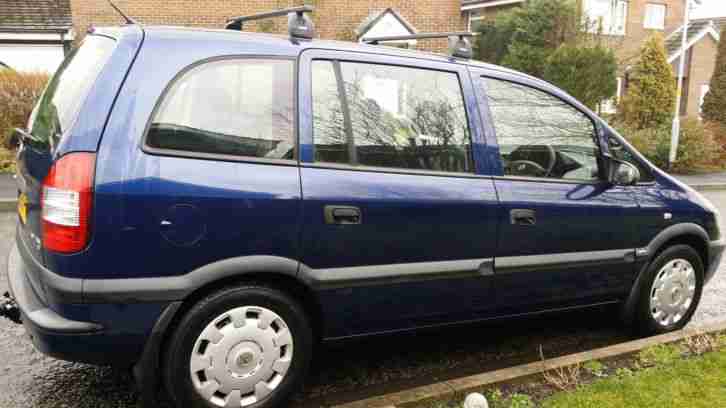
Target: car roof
(283, 45)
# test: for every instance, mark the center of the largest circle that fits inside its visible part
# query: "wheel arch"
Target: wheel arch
(689, 234)
(276, 272)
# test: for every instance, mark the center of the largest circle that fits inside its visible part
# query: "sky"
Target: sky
(711, 8)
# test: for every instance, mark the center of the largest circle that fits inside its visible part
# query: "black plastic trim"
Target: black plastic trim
(33, 310)
(395, 273)
(645, 255)
(139, 290)
(528, 263)
(146, 370)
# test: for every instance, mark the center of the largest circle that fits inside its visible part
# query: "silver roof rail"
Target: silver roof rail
(459, 44)
(298, 24)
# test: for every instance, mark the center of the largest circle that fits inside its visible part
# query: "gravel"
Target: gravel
(29, 379)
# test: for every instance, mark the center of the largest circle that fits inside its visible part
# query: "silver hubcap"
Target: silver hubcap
(672, 293)
(241, 357)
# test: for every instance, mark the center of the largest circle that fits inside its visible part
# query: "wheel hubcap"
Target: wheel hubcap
(672, 293)
(241, 357)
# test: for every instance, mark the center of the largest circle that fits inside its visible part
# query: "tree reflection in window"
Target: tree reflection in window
(232, 107)
(396, 117)
(541, 135)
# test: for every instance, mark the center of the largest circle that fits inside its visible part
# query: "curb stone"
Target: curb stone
(478, 381)
(708, 187)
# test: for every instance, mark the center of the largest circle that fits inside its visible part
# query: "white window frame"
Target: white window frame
(648, 20)
(614, 22)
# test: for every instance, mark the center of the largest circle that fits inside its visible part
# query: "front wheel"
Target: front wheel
(240, 347)
(671, 290)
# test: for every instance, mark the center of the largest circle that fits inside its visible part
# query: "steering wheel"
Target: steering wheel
(526, 167)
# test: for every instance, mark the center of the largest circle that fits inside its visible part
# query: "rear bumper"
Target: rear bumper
(102, 333)
(715, 254)
(50, 332)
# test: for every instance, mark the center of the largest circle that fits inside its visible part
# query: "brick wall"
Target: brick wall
(627, 47)
(335, 19)
(703, 63)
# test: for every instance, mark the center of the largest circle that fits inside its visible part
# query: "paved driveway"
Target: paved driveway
(31, 380)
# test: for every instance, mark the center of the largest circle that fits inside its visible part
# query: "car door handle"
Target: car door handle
(342, 215)
(523, 217)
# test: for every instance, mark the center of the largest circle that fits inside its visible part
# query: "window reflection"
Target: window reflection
(242, 108)
(541, 135)
(397, 117)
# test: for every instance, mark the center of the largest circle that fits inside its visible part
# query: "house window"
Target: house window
(476, 21)
(606, 16)
(655, 15)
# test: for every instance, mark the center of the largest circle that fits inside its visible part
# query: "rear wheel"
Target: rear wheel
(245, 346)
(671, 291)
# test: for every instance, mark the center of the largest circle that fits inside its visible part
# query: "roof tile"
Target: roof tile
(35, 15)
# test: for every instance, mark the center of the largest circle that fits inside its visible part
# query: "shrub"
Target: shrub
(18, 94)
(525, 36)
(714, 103)
(697, 145)
(7, 161)
(651, 96)
(587, 73)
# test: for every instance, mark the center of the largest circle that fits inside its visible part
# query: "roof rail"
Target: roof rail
(298, 24)
(459, 44)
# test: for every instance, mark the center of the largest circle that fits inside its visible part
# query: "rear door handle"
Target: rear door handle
(523, 217)
(342, 215)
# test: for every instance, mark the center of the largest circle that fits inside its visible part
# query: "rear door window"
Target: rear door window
(389, 116)
(62, 99)
(231, 107)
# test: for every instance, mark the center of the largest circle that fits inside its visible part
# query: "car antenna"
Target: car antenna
(128, 19)
(459, 44)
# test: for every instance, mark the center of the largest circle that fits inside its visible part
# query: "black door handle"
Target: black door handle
(342, 215)
(523, 217)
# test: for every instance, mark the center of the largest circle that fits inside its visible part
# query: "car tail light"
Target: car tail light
(66, 203)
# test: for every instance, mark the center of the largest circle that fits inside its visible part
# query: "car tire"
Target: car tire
(247, 346)
(670, 291)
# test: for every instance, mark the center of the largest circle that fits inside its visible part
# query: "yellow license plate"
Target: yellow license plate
(23, 208)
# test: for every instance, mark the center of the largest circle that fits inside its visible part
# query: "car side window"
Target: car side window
(230, 107)
(541, 135)
(389, 116)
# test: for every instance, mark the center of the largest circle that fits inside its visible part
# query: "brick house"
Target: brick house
(627, 23)
(701, 51)
(34, 34)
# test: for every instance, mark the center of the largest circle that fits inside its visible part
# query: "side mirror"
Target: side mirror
(623, 173)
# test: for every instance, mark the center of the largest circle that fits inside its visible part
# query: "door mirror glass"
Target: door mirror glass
(623, 173)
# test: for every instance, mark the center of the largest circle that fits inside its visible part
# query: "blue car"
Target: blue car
(207, 205)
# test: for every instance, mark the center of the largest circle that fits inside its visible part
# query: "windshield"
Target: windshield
(62, 99)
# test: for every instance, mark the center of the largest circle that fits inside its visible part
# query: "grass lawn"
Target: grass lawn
(694, 382)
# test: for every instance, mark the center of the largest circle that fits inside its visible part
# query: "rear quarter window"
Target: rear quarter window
(62, 99)
(236, 107)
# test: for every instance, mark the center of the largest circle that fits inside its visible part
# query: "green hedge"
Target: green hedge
(18, 94)
(697, 147)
